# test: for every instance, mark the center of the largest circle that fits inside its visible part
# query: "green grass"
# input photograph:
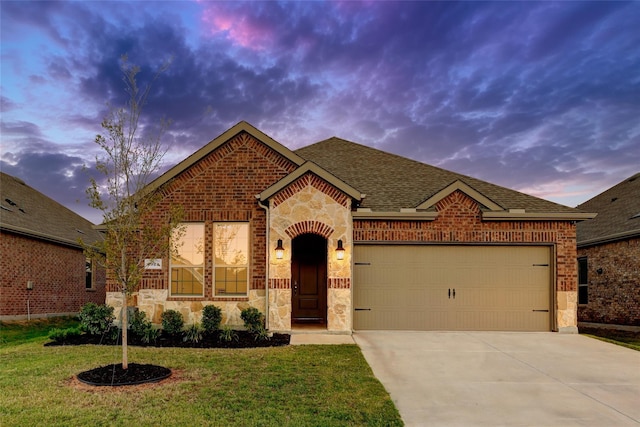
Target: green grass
(285, 386)
(624, 340)
(13, 333)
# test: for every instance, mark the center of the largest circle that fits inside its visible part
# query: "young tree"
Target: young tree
(132, 157)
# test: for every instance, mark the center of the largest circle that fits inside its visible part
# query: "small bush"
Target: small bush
(193, 333)
(211, 318)
(227, 334)
(143, 328)
(253, 319)
(96, 319)
(262, 335)
(60, 335)
(172, 322)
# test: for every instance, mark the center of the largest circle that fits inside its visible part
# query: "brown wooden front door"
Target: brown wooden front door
(309, 279)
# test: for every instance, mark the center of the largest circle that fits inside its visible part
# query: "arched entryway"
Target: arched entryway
(309, 279)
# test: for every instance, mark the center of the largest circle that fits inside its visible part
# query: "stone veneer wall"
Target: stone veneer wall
(460, 221)
(614, 294)
(310, 205)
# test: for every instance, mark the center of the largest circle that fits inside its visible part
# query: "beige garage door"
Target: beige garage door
(492, 288)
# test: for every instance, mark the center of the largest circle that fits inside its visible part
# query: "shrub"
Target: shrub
(262, 335)
(96, 319)
(142, 327)
(253, 319)
(211, 318)
(227, 334)
(193, 333)
(60, 335)
(172, 322)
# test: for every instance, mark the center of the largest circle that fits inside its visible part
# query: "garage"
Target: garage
(452, 287)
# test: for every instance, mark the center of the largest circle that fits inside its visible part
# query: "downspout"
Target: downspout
(268, 252)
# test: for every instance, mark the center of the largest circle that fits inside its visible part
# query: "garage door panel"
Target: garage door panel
(412, 287)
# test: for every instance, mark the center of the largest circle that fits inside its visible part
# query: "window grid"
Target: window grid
(231, 259)
(187, 263)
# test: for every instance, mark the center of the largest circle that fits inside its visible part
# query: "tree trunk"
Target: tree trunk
(125, 313)
(125, 323)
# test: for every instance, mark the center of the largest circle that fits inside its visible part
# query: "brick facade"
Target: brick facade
(614, 292)
(57, 273)
(460, 221)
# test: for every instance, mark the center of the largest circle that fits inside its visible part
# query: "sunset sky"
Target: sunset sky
(540, 97)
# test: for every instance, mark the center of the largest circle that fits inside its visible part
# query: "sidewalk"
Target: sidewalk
(316, 338)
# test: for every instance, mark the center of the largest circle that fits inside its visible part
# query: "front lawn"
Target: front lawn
(295, 385)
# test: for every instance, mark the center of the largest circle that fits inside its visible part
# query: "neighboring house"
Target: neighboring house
(43, 271)
(609, 257)
(349, 237)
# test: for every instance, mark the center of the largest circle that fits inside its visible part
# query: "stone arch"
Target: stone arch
(315, 227)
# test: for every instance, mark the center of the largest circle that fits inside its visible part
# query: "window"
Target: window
(187, 261)
(231, 260)
(583, 281)
(88, 275)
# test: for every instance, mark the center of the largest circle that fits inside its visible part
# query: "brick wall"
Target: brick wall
(222, 187)
(614, 294)
(460, 221)
(57, 272)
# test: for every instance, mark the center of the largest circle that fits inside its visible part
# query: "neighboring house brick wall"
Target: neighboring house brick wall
(460, 221)
(614, 295)
(57, 273)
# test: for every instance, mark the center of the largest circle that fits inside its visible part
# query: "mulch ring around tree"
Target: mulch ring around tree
(114, 375)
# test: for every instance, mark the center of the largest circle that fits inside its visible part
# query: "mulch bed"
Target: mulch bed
(243, 339)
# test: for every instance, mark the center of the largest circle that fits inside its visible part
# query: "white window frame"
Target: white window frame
(246, 265)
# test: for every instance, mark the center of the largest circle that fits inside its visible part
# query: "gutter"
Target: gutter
(41, 236)
(609, 238)
(268, 259)
(536, 216)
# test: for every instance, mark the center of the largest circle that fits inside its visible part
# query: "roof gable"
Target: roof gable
(618, 210)
(26, 211)
(218, 142)
(316, 170)
(460, 186)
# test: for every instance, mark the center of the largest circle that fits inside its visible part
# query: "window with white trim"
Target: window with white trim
(231, 258)
(187, 260)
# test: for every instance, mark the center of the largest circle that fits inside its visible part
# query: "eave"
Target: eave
(536, 216)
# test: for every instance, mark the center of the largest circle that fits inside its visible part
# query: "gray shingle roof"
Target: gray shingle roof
(392, 182)
(26, 211)
(618, 211)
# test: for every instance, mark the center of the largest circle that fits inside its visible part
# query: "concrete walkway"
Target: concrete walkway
(505, 379)
(318, 338)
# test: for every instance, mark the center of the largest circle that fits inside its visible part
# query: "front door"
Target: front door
(309, 279)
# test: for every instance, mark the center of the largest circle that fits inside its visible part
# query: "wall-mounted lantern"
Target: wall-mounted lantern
(279, 250)
(340, 251)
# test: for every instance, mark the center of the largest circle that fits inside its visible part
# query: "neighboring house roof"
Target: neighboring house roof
(395, 183)
(26, 211)
(618, 211)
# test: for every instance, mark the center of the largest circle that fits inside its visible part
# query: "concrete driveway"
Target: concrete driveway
(505, 379)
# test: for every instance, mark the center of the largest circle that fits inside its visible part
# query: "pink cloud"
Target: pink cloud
(243, 29)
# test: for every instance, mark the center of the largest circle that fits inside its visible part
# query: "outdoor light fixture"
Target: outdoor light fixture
(279, 250)
(340, 251)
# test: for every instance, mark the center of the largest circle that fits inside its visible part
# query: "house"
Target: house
(608, 257)
(43, 270)
(351, 238)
